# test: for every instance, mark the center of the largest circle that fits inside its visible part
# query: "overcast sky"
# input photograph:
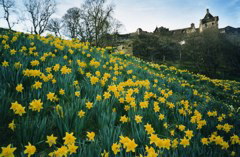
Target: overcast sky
(147, 14)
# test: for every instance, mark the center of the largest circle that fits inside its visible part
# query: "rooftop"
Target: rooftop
(208, 17)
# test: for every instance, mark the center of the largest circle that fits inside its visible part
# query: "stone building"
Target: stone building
(140, 31)
(208, 21)
(188, 30)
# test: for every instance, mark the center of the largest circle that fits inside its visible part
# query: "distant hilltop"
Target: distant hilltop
(209, 21)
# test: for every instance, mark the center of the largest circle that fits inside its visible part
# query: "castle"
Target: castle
(208, 22)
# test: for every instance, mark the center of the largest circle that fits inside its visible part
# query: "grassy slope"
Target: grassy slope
(206, 94)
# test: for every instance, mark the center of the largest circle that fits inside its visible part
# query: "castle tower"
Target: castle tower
(192, 25)
(139, 31)
(208, 21)
(191, 29)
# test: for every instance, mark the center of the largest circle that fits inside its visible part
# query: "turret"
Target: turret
(208, 21)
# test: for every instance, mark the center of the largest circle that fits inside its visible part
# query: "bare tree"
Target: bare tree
(40, 12)
(72, 21)
(8, 6)
(97, 18)
(55, 25)
(93, 22)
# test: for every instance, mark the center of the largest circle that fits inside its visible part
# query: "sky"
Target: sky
(147, 14)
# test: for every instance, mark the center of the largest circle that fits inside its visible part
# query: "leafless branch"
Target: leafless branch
(40, 12)
(7, 5)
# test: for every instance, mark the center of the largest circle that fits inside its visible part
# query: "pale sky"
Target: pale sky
(147, 14)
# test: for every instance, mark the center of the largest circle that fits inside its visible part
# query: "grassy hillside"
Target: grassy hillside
(66, 98)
